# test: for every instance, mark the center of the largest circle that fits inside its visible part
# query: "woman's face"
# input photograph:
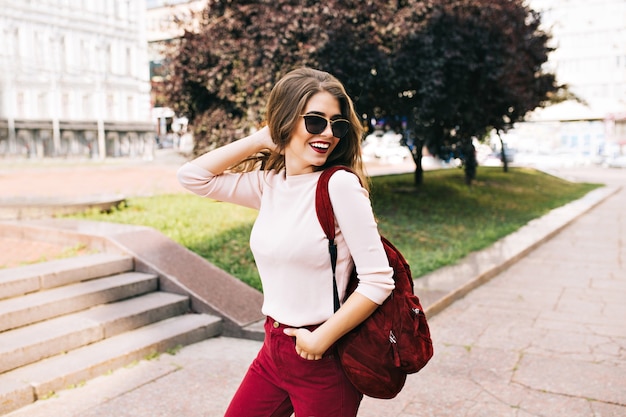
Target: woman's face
(305, 150)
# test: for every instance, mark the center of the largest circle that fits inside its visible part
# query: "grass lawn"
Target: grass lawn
(433, 226)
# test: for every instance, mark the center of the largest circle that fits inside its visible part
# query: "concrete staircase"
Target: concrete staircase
(66, 321)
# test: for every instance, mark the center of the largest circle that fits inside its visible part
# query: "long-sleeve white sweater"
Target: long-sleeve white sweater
(289, 245)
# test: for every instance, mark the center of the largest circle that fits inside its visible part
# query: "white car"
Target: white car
(387, 147)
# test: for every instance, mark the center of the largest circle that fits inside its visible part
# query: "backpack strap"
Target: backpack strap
(326, 217)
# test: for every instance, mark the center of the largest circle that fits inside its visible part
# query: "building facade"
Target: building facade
(75, 79)
(589, 37)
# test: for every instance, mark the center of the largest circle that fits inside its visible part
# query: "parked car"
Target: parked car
(385, 146)
(616, 162)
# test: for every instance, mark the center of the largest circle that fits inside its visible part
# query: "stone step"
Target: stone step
(32, 343)
(44, 275)
(32, 308)
(38, 380)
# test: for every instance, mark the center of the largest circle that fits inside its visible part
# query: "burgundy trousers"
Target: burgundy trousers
(280, 382)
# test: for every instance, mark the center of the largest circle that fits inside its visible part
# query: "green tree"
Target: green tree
(476, 65)
(452, 70)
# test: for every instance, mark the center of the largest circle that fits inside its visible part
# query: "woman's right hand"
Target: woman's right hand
(265, 139)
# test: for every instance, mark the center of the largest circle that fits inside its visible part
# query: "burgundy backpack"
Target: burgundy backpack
(395, 340)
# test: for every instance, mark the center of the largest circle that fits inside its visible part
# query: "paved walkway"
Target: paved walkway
(546, 337)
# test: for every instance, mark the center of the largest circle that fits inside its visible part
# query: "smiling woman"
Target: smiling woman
(311, 126)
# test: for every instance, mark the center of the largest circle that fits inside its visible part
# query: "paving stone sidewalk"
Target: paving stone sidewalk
(546, 337)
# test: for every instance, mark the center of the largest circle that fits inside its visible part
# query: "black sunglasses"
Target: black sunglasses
(316, 124)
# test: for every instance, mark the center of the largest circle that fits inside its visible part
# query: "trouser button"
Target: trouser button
(276, 324)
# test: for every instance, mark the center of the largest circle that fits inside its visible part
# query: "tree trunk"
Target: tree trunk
(505, 163)
(470, 163)
(419, 171)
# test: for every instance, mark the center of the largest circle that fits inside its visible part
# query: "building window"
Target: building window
(63, 56)
(42, 107)
(19, 105)
(109, 59)
(130, 111)
(129, 61)
(65, 106)
(87, 107)
(85, 56)
(110, 114)
(38, 53)
(14, 45)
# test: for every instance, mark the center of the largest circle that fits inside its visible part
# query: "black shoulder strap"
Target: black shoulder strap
(326, 217)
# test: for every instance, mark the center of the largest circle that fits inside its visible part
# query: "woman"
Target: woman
(311, 125)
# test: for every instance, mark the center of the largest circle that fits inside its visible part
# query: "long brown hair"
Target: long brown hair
(287, 102)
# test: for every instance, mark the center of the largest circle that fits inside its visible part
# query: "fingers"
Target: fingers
(299, 350)
(306, 355)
